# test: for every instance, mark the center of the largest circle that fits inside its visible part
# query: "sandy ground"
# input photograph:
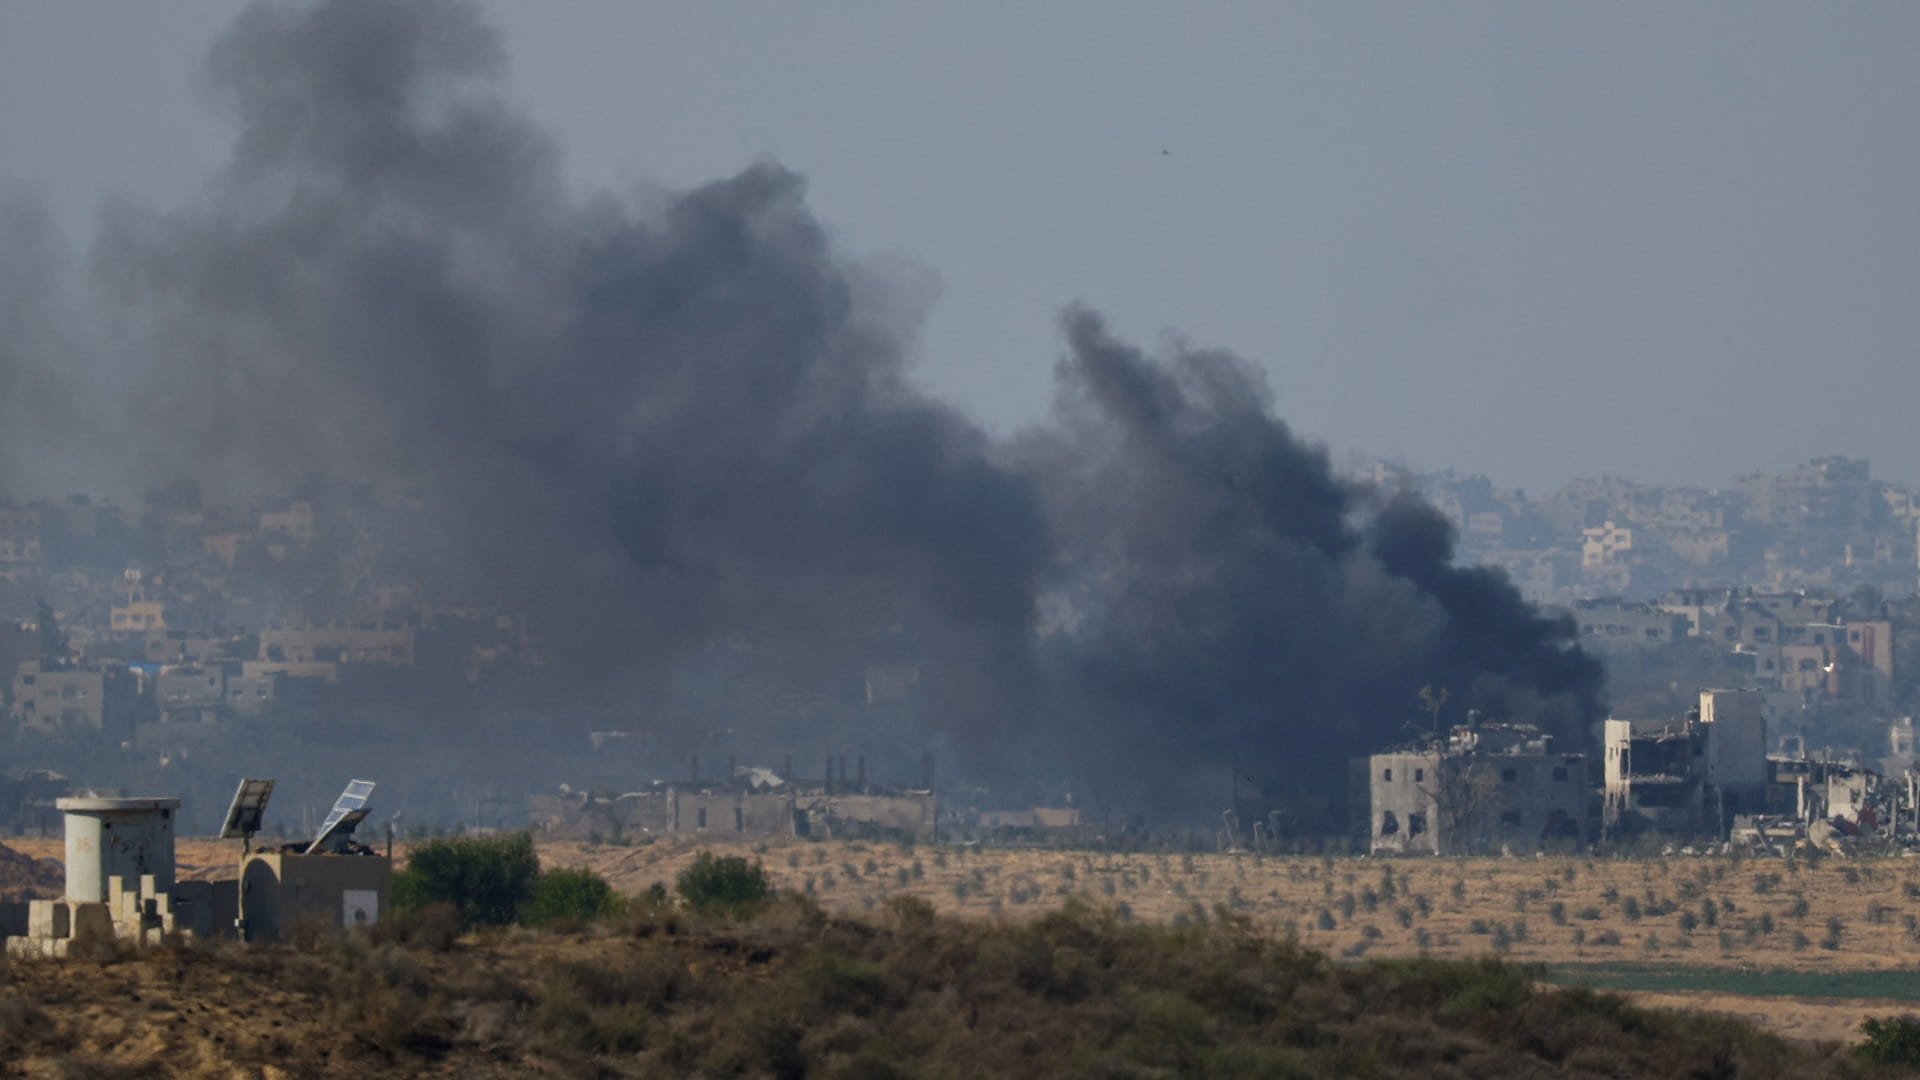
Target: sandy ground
(1808, 1018)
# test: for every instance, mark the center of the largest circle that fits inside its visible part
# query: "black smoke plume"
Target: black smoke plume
(670, 425)
(1233, 605)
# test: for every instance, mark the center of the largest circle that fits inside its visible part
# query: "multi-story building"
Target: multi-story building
(339, 643)
(1689, 775)
(57, 697)
(1481, 788)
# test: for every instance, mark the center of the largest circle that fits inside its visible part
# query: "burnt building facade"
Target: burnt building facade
(1688, 776)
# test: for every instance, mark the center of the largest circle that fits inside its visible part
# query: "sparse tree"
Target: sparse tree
(1431, 702)
(1460, 788)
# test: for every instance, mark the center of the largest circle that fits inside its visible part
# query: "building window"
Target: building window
(1510, 818)
(1508, 776)
(1560, 773)
(1386, 774)
(1388, 824)
(700, 818)
(1419, 775)
(1416, 824)
(739, 820)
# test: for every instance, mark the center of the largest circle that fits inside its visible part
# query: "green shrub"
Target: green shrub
(729, 886)
(572, 896)
(1893, 1041)
(486, 878)
(432, 927)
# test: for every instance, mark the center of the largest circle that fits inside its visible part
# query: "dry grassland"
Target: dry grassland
(1830, 915)
(1720, 915)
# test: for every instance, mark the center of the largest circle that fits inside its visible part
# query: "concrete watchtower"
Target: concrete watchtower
(126, 838)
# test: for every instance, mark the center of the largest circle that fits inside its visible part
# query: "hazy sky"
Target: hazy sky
(1673, 242)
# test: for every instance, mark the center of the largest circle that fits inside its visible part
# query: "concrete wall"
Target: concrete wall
(1402, 811)
(1736, 746)
(730, 813)
(109, 838)
(276, 889)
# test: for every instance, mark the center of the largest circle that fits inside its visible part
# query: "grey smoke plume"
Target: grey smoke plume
(660, 424)
(665, 422)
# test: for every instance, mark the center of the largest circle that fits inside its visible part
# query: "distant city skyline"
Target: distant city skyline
(1540, 243)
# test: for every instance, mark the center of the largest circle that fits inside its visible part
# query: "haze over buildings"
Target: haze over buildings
(676, 437)
(668, 429)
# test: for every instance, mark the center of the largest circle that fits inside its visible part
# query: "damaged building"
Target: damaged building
(1481, 788)
(751, 801)
(1690, 776)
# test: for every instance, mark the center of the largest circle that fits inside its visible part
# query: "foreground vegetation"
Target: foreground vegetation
(777, 987)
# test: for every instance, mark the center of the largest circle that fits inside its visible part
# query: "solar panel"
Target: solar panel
(348, 811)
(248, 807)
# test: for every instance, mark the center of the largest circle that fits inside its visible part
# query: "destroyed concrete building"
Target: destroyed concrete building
(751, 801)
(1690, 776)
(1481, 788)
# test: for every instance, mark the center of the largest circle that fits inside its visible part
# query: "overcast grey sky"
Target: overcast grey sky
(1667, 241)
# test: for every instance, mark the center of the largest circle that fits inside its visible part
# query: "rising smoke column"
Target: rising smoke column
(657, 420)
(662, 421)
(1231, 603)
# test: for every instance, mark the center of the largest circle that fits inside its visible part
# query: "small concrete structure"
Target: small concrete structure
(277, 888)
(108, 838)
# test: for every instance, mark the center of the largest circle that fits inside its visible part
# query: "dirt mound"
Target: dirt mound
(23, 877)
